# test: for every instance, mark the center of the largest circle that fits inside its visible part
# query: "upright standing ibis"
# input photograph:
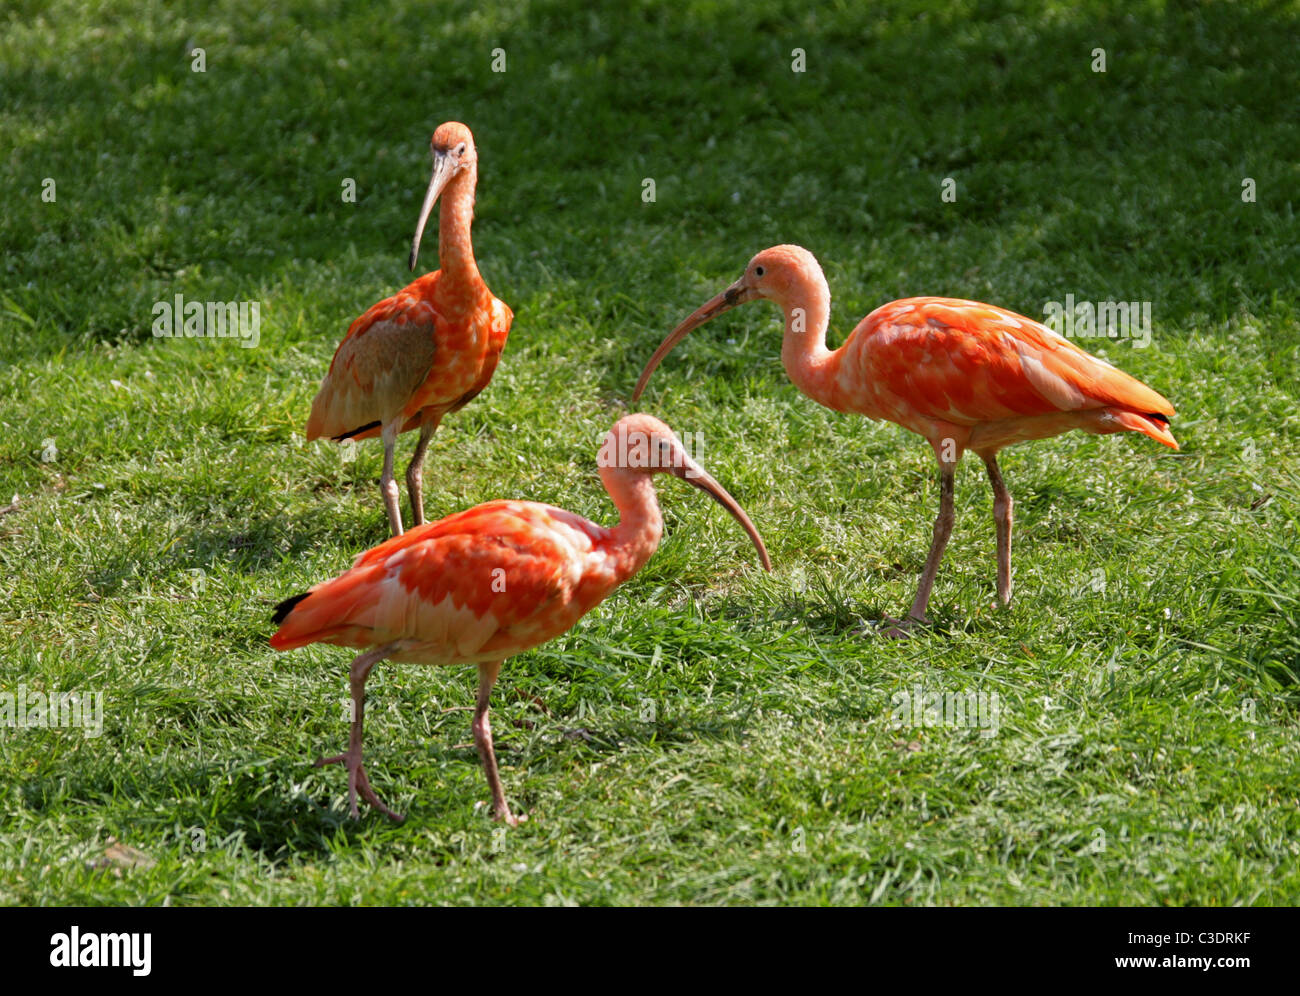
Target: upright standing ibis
(962, 374)
(490, 582)
(427, 350)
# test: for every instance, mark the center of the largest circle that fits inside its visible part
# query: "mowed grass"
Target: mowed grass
(711, 734)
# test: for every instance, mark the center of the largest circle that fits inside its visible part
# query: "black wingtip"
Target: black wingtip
(356, 432)
(284, 608)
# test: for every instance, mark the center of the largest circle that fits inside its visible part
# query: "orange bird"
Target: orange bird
(425, 351)
(962, 374)
(493, 581)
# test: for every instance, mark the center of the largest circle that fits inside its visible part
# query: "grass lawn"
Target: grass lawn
(711, 734)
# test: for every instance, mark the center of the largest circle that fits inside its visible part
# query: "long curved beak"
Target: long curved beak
(692, 473)
(737, 293)
(442, 171)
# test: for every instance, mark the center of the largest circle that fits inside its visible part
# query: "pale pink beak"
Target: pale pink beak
(737, 293)
(692, 473)
(443, 169)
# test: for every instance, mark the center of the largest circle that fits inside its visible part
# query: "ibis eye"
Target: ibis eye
(759, 271)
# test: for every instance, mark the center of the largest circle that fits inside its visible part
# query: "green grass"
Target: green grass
(712, 735)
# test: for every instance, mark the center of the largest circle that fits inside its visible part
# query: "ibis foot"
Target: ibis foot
(358, 782)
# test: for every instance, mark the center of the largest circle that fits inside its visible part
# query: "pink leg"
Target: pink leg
(357, 780)
(1002, 517)
(487, 676)
(415, 470)
(387, 484)
(942, 530)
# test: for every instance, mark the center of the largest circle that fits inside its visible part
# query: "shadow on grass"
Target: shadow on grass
(254, 546)
(836, 615)
(635, 87)
(608, 739)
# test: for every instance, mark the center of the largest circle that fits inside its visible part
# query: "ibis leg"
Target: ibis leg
(415, 470)
(942, 530)
(387, 483)
(1002, 518)
(487, 676)
(357, 780)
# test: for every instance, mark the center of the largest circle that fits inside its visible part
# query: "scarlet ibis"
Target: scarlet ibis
(428, 349)
(962, 374)
(492, 581)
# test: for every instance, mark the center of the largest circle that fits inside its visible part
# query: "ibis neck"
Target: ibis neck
(640, 523)
(455, 219)
(804, 354)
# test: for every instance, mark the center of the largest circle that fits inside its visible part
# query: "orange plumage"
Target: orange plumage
(965, 375)
(924, 361)
(439, 587)
(427, 350)
(403, 355)
(490, 582)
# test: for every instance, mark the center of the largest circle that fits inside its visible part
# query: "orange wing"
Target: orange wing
(366, 383)
(482, 584)
(498, 330)
(967, 363)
